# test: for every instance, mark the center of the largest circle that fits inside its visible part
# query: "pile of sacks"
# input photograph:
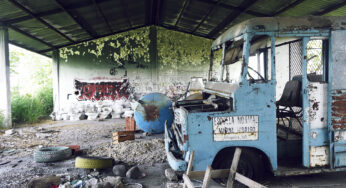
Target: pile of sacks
(96, 110)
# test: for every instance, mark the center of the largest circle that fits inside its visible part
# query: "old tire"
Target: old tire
(52, 154)
(89, 162)
(250, 164)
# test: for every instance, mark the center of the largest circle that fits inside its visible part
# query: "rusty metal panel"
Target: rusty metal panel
(319, 156)
(318, 105)
(339, 109)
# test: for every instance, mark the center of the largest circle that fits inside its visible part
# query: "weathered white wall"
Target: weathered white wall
(153, 59)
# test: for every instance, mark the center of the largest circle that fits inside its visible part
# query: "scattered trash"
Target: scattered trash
(90, 162)
(121, 136)
(46, 181)
(52, 154)
(135, 173)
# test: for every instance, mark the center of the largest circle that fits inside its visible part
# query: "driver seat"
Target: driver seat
(291, 97)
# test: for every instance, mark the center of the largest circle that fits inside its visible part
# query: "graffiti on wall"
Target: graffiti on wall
(98, 90)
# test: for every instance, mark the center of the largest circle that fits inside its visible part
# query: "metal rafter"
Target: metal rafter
(297, 2)
(80, 4)
(116, 32)
(330, 9)
(230, 7)
(231, 17)
(186, 2)
(123, 4)
(206, 16)
(29, 35)
(103, 16)
(27, 48)
(15, 3)
(77, 19)
(147, 12)
(155, 12)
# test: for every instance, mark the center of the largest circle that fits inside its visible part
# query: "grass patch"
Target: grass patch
(31, 108)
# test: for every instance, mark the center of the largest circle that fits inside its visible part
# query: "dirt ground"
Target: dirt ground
(17, 166)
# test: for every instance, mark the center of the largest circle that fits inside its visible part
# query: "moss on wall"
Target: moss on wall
(176, 48)
(127, 47)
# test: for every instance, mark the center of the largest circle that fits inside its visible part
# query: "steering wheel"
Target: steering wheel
(252, 79)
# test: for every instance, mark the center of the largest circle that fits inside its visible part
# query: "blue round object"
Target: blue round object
(152, 112)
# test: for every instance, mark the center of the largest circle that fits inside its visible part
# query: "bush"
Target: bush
(31, 108)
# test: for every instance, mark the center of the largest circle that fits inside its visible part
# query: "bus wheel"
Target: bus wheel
(250, 164)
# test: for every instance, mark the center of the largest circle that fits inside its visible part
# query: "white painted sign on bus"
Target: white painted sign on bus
(235, 128)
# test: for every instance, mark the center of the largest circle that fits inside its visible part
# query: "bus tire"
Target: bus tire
(250, 163)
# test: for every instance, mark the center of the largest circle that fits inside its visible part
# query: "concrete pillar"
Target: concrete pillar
(5, 94)
(55, 74)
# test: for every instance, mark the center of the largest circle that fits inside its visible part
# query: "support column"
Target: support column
(5, 94)
(55, 72)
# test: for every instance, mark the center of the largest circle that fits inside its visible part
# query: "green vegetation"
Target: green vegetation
(31, 86)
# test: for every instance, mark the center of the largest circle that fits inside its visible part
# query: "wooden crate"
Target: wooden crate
(121, 136)
(130, 124)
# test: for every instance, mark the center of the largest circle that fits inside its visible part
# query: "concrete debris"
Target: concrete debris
(91, 183)
(92, 116)
(174, 185)
(119, 170)
(46, 181)
(10, 132)
(171, 175)
(135, 173)
(142, 151)
(114, 181)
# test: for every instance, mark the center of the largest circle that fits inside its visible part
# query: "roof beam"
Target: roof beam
(18, 5)
(103, 16)
(230, 7)
(206, 16)
(116, 32)
(330, 9)
(295, 3)
(76, 5)
(147, 12)
(77, 19)
(231, 17)
(29, 35)
(186, 2)
(28, 48)
(123, 4)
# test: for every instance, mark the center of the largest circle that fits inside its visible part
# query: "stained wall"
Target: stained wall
(129, 65)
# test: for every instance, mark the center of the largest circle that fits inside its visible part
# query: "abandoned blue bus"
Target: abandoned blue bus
(278, 91)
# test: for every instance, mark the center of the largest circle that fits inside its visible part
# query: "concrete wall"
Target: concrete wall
(149, 59)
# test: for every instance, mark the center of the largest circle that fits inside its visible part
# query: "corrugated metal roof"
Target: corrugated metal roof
(42, 26)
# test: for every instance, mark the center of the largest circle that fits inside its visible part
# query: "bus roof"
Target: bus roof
(281, 24)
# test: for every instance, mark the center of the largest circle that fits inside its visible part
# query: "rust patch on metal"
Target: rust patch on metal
(209, 118)
(315, 106)
(339, 109)
(151, 112)
(335, 127)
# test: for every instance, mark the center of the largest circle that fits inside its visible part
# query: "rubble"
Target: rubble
(134, 173)
(119, 170)
(140, 151)
(171, 175)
